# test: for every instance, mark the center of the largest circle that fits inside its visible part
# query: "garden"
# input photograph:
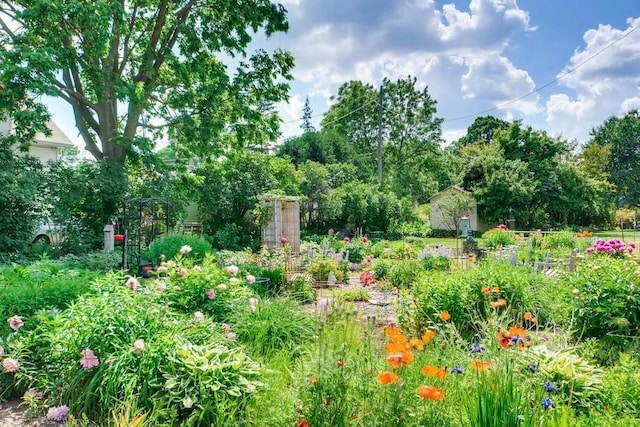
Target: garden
(459, 342)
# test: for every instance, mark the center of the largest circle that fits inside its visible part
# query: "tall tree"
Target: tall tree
(622, 136)
(481, 131)
(123, 65)
(306, 125)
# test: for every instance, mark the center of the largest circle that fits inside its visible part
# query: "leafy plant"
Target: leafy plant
(170, 246)
(499, 237)
(436, 263)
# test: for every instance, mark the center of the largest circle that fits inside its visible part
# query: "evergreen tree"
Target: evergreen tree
(306, 125)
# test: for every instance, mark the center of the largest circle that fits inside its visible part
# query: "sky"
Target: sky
(578, 59)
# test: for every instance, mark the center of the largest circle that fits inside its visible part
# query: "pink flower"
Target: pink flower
(161, 285)
(502, 227)
(231, 336)
(15, 322)
(89, 360)
(365, 240)
(10, 365)
(198, 316)
(58, 413)
(347, 240)
(232, 270)
(253, 303)
(251, 279)
(589, 250)
(211, 294)
(283, 240)
(132, 284)
(182, 272)
(197, 268)
(222, 287)
(185, 249)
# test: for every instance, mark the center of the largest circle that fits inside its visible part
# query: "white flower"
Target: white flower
(222, 287)
(138, 346)
(58, 413)
(132, 284)
(232, 270)
(197, 268)
(251, 279)
(253, 303)
(234, 280)
(15, 322)
(1, 351)
(182, 272)
(198, 316)
(161, 285)
(185, 249)
(231, 336)
(575, 291)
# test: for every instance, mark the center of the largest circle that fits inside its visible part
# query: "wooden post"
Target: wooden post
(108, 238)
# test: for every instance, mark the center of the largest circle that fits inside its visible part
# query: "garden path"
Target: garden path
(380, 309)
(12, 415)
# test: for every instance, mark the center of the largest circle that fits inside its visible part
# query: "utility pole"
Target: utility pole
(380, 135)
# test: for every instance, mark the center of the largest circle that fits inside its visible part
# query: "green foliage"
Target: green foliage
(301, 290)
(621, 384)
(381, 269)
(21, 180)
(436, 263)
(606, 301)
(274, 325)
(562, 240)
(42, 285)
(468, 296)
(170, 246)
(320, 270)
(353, 295)
(357, 251)
(499, 237)
(405, 273)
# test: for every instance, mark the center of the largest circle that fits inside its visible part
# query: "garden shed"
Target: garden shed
(437, 215)
(283, 221)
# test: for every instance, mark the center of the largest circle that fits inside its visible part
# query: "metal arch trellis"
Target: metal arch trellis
(143, 221)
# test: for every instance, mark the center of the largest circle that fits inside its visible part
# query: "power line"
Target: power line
(560, 77)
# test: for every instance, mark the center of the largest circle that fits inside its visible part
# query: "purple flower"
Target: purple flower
(547, 403)
(533, 368)
(211, 294)
(457, 369)
(58, 413)
(15, 322)
(549, 387)
(475, 348)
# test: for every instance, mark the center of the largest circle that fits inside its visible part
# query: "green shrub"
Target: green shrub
(499, 237)
(320, 270)
(301, 290)
(357, 251)
(436, 263)
(606, 301)
(180, 369)
(405, 273)
(561, 240)
(95, 261)
(42, 285)
(170, 246)
(353, 295)
(274, 325)
(468, 296)
(381, 269)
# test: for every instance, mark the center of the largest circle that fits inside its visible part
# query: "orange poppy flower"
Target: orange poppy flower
(534, 320)
(495, 290)
(486, 290)
(428, 336)
(416, 343)
(303, 423)
(444, 315)
(441, 374)
(312, 380)
(430, 392)
(429, 370)
(503, 339)
(527, 315)
(387, 377)
(391, 331)
(499, 303)
(480, 365)
(397, 359)
(398, 347)
(517, 330)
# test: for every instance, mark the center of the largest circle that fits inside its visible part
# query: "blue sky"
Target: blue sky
(474, 55)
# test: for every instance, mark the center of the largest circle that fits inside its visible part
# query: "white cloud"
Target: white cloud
(457, 53)
(606, 81)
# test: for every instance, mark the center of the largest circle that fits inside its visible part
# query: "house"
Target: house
(442, 220)
(44, 148)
